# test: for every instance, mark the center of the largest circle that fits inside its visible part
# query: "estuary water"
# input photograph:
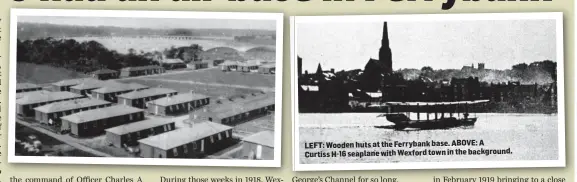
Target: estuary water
(527, 136)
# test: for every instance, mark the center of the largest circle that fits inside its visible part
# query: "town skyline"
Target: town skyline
(440, 45)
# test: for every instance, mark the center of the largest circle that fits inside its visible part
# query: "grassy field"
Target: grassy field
(218, 76)
(212, 91)
(42, 74)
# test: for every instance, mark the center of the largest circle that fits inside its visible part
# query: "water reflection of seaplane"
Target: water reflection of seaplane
(445, 114)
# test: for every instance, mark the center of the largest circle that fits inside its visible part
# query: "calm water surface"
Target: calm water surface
(529, 136)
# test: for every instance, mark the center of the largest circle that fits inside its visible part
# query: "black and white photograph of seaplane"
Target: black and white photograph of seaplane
(457, 114)
(360, 82)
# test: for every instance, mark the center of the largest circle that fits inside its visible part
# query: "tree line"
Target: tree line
(83, 57)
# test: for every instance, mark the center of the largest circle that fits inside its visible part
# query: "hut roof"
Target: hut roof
(120, 88)
(104, 71)
(240, 105)
(172, 139)
(70, 105)
(270, 65)
(265, 138)
(40, 97)
(70, 82)
(147, 93)
(138, 68)
(92, 84)
(178, 99)
(138, 126)
(101, 113)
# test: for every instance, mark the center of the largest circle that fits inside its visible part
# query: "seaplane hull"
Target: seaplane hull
(401, 122)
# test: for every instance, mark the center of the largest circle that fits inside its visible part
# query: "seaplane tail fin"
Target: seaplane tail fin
(381, 115)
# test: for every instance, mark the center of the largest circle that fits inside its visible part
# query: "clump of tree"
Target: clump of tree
(84, 56)
(185, 53)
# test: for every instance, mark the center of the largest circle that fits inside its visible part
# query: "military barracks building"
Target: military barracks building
(267, 68)
(140, 98)
(196, 141)
(27, 87)
(64, 85)
(177, 104)
(259, 146)
(229, 66)
(238, 111)
(110, 92)
(129, 134)
(105, 74)
(56, 110)
(94, 122)
(26, 103)
(87, 86)
(141, 71)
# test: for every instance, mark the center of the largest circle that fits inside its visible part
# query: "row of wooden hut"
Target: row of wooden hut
(248, 66)
(124, 124)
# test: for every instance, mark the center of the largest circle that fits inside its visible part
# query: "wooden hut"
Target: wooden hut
(129, 134)
(196, 141)
(140, 98)
(94, 122)
(177, 104)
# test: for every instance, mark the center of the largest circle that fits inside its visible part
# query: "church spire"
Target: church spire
(385, 54)
(319, 69)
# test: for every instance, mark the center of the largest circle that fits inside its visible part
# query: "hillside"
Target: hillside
(42, 30)
(42, 74)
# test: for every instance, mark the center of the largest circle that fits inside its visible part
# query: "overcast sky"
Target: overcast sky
(156, 23)
(441, 45)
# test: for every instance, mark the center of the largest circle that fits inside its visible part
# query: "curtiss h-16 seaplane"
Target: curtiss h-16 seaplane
(438, 115)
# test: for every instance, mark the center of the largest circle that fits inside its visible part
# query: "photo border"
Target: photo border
(278, 17)
(557, 16)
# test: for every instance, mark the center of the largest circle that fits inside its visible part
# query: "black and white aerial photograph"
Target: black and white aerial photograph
(143, 87)
(428, 91)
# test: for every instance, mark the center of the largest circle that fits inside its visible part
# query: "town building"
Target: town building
(177, 104)
(481, 66)
(259, 146)
(64, 85)
(195, 141)
(229, 66)
(26, 102)
(110, 92)
(238, 111)
(50, 114)
(105, 74)
(267, 68)
(141, 71)
(27, 87)
(129, 134)
(94, 122)
(139, 99)
(170, 64)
